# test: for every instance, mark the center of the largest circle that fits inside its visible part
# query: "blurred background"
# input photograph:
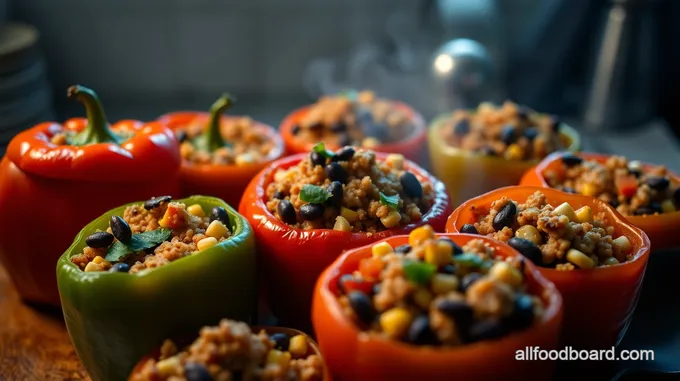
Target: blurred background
(604, 65)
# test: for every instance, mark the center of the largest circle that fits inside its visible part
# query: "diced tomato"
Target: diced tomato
(370, 268)
(348, 283)
(626, 185)
(176, 217)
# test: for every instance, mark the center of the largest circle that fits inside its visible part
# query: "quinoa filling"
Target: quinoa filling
(556, 237)
(151, 235)
(354, 119)
(433, 292)
(625, 185)
(348, 190)
(231, 351)
(510, 131)
(65, 136)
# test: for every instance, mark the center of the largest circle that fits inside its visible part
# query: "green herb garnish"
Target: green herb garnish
(391, 201)
(470, 260)
(138, 242)
(320, 148)
(352, 95)
(419, 272)
(314, 194)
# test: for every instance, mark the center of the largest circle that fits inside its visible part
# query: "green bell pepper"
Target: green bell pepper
(115, 318)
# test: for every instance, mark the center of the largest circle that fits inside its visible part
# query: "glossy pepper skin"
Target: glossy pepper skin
(255, 329)
(599, 302)
(353, 355)
(291, 259)
(468, 174)
(413, 148)
(113, 319)
(662, 229)
(224, 181)
(49, 192)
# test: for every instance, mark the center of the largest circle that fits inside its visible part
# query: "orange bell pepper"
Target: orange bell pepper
(291, 259)
(413, 148)
(353, 355)
(598, 303)
(223, 181)
(469, 174)
(48, 192)
(662, 229)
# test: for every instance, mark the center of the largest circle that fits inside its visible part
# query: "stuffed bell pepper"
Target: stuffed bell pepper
(263, 354)
(221, 154)
(307, 209)
(476, 151)
(358, 119)
(647, 195)
(65, 176)
(435, 307)
(595, 258)
(145, 271)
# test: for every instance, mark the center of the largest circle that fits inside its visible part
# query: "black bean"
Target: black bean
(644, 210)
(458, 310)
(220, 214)
(196, 372)
(344, 154)
(338, 127)
(508, 134)
(279, 195)
(155, 202)
(99, 239)
(658, 183)
(121, 267)
(462, 128)
(505, 216)
(295, 130)
(120, 228)
(181, 136)
(342, 280)
(311, 211)
(361, 304)
(523, 312)
(281, 341)
(344, 140)
(456, 249)
(555, 123)
(379, 131)
(376, 288)
(635, 172)
(523, 112)
(286, 212)
(403, 249)
(569, 190)
(676, 197)
(527, 248)
(531, 133)
(419, 333)
(317, 159)
(468, 280)
(365, 115)
(318, 126)
(448, 269)
(570, 160)
(614, 203)
(335, 189)
(411, 185)
(336, 172)
(487, 151)
(487, 330)
(469, 229)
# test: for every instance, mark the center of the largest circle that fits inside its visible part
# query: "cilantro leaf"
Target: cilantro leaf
(314, 194)
(139, 242)
(320, 148)
(469, 260)
(419, 272)
(391, 201)
(118, 251)
(352, 95)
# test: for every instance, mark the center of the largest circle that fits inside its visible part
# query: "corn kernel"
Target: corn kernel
(438, 253)
(443, 283)
(206, 243)
(623, 244)
(422, 297)
(349, 214)
(611, 261)
(391, 219)
(420, 234)
(395, 322)
(196, 210)
(244, 158)
(93, 267)
(168, 366)
(668, 206)
(186, 149)
(217, 230)
(580, 259)
(504, 272)
(396, 161)
(565, 209)
(514, 152)
(98, 260)
(589, 190)
(584, 214)
(341, 224)
(370, 142)
(298, 346)
(381, 249)
(530, 233)
(278, 357)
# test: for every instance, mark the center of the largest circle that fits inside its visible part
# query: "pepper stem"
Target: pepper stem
(97, 129)
(212, 134)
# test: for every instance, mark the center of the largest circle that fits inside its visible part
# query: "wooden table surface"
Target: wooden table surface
(34, 344)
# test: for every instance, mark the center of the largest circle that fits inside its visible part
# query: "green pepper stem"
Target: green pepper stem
(97, 129)
(213, 135)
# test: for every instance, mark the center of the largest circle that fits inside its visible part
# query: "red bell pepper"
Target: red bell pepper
(49, 191)
(291, 259)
